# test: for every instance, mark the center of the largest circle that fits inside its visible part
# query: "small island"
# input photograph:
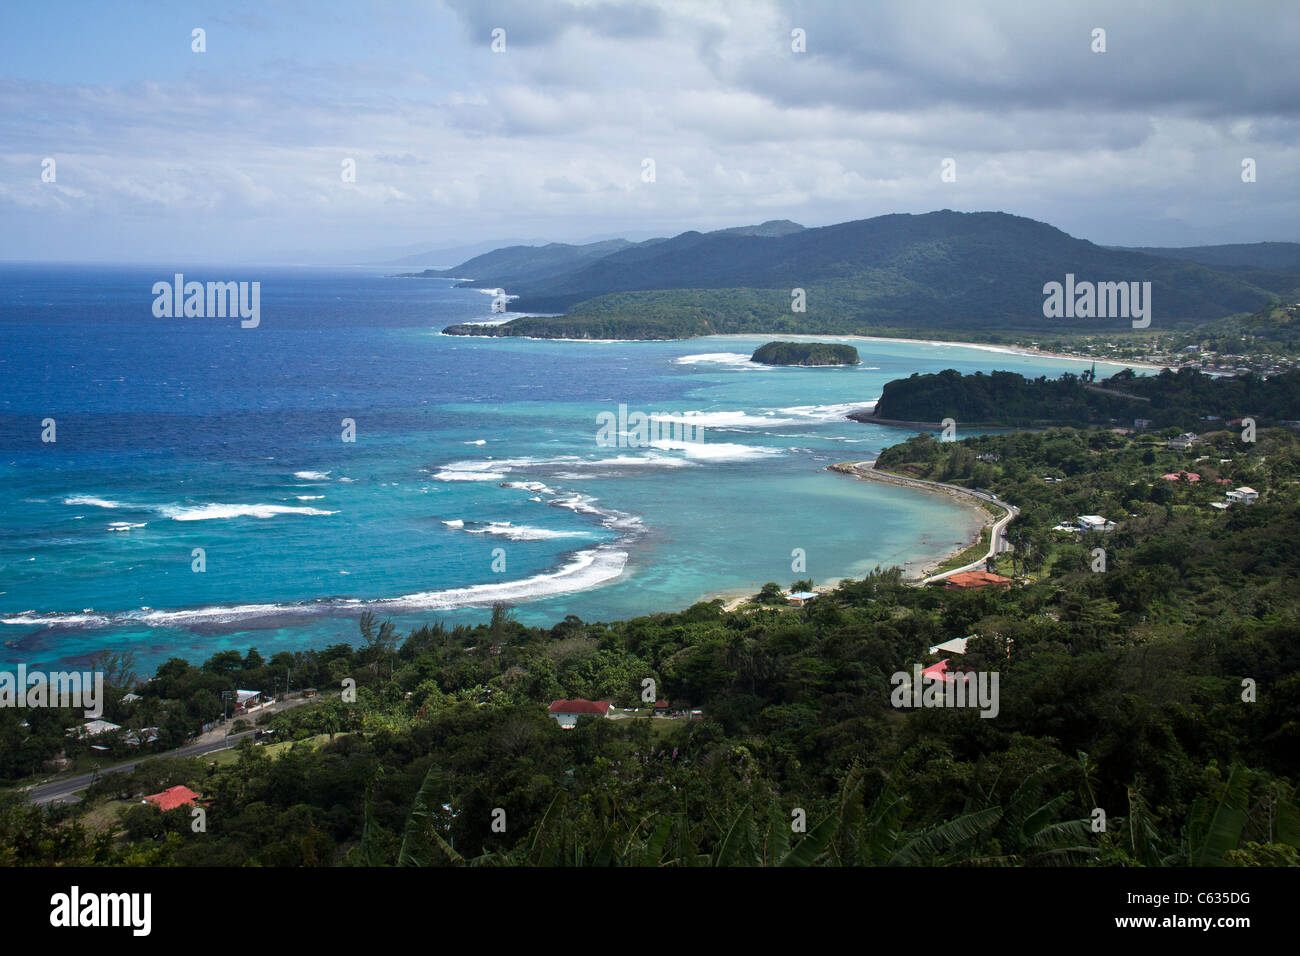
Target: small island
(805, 353)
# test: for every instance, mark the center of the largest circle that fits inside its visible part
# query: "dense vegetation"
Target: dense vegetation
(1270, 265)
(959, 272)
(1120, 691)
(805, 353)
(1186, 397)
(512, 265)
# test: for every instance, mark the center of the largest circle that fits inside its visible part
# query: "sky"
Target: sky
(239, 153)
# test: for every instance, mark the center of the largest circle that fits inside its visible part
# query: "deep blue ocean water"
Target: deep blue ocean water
(475, 476)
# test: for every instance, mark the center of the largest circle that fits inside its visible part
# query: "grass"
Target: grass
(973, 553)
(106, 815)
(224, 758)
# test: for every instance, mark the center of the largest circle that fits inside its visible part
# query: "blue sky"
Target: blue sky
(235, 153)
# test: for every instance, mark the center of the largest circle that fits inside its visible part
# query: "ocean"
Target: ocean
(199, 494)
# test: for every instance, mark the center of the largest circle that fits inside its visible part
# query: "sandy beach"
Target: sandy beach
(983, 346)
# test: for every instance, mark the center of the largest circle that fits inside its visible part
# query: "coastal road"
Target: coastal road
(997, 536)
(62, 791)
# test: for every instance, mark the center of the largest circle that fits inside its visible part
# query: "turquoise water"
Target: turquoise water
(476, 474)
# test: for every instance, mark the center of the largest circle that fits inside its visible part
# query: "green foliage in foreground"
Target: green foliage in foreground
(1119, 691)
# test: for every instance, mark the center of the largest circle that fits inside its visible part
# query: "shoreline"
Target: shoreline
(733, 598)
(982, 346)
(866, 471)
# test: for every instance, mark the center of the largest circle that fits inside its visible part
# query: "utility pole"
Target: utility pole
(225, 712)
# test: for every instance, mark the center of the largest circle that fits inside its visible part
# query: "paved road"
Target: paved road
(997, 536)
(64, 790)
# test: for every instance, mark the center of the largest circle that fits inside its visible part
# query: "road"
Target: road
(997, 536)
(63, 790)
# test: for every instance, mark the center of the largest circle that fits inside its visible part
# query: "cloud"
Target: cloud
(452, 142)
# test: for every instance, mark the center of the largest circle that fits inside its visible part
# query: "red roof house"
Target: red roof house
(940, 670)
(567, 712)
(1175, 475)
(937, 670)
(972, 580)
(173, 797)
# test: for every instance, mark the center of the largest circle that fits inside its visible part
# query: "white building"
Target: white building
(1094, 523)
(956, 646)
(1242, 496)
(567, 712)
(93, 728)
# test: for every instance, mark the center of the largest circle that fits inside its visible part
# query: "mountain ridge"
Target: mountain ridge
(943, 269)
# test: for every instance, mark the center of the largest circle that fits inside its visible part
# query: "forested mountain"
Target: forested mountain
(1274, 266)
(1280, 256)
(943, 269)
(515, 264)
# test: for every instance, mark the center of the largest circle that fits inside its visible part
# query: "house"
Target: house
(130, 699)
(987, 456)
(172, 797)
(567, 712)
(800, 598)
(974, 580)
(1094, 523)
(1183, 442)
(935, 671)
(247, 701)
(145, 735)
(1242, 496)
(1141, 423)
(1175, 475)
(661, 708)
(956, 646)
(93, 728)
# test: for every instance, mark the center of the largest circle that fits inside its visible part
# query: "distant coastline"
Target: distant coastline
(800, 336)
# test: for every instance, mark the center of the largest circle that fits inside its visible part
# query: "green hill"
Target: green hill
(1182, 399)
(942, 270)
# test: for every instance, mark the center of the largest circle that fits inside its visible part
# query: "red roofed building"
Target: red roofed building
(935, 671)
(973, 580)
(173, 797)
(567, 712)
(940, 670)
(1175, 475)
